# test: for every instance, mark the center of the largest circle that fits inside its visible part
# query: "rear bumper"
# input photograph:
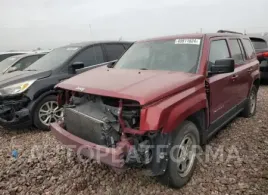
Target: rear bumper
(114, 157)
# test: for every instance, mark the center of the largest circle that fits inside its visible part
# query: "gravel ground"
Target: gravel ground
(234, 162)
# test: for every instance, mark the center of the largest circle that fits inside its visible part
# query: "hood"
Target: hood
(144, 86)
(20, 76)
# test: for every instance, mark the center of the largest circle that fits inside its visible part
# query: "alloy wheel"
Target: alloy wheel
(186, 155)
(50, 112)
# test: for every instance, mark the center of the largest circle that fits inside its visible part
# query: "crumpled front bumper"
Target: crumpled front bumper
(111, 156)
(14, 112)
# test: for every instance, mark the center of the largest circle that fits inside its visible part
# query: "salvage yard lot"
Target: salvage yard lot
(43, 166)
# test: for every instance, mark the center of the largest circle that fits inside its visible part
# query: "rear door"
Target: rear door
(114, 51)
(242, 68)
(252, 62)
(90, 56)
(222, 86)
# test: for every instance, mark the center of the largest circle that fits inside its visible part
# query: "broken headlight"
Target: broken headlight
(16, 88)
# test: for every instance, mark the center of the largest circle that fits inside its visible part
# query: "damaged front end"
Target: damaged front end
(108, 129)
(13, 110)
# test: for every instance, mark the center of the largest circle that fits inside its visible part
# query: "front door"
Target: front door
(222, 86)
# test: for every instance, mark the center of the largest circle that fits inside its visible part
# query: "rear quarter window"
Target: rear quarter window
(249, 48)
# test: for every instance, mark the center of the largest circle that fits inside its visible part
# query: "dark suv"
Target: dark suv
(164, 97)
(28, 96)
(261, 47)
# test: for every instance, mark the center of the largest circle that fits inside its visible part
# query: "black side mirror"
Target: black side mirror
(77, 65)
(223, 66)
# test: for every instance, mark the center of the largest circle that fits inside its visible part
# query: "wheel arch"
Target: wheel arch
(35, 102)
(200, 120)
(256, 83)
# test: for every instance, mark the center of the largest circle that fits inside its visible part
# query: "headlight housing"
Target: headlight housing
(16, 88)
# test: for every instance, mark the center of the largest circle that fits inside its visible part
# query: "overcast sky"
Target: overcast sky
(28, 24)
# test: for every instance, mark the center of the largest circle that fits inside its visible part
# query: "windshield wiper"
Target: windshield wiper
(143, 69)
(31, 70)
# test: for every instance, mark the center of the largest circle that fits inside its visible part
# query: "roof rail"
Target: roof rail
(228, 31)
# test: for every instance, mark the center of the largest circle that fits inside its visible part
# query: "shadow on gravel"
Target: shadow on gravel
(17, 131)
(264, 82)
(221, 130)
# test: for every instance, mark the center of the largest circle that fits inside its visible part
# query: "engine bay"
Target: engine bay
(99, 119)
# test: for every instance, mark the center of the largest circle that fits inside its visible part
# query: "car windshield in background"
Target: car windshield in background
(173, 55)
(54, 59)
(259, 43)
(7, 63)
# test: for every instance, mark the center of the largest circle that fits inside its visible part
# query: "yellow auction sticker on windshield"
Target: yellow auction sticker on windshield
(188, 41)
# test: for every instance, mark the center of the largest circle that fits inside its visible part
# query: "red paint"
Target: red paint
(110, 156)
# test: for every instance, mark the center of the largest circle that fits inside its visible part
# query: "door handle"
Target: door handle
(235, 76)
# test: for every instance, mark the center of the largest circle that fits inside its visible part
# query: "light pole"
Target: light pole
(90, 30)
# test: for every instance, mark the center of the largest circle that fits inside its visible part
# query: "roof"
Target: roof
(20, 56)
(14, 52)
(27, 54)
(88, 43)
(195, 35)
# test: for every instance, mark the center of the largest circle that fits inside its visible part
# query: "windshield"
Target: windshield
(54, 59)
(7, 63)
(174, 55)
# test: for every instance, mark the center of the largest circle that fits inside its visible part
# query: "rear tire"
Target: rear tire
(46, 112)
(251, 104)
(178, 173)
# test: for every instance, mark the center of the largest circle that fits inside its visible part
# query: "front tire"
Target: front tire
(182, 157)
(47, 111)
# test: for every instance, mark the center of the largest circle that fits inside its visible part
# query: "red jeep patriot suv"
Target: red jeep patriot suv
(160, 100)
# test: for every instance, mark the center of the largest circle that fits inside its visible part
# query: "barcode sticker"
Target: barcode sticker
(188, 41)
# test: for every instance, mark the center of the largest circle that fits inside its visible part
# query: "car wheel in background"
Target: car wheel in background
(47, 111)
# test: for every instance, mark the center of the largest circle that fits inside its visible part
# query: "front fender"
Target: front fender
(34, 102)
(168, 114)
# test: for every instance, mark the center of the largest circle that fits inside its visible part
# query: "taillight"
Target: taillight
(262, 55)
(265, 54)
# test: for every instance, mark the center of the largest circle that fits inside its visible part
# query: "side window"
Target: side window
(218, 51)
(236, 51)
(91, 56)
(25, 62)
(249, 48)
(114, 51)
